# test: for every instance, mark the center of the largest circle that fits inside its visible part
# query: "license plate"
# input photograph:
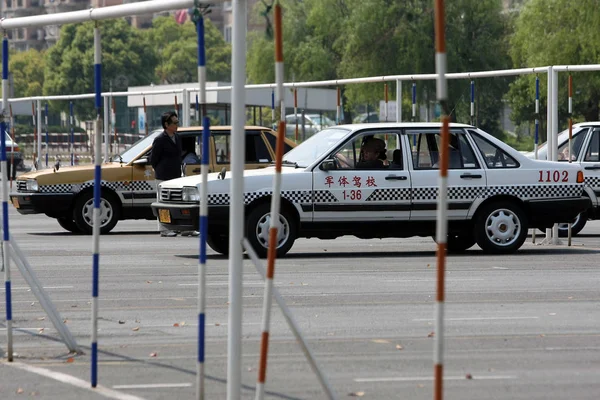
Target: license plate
(16, 202)
(164, 216)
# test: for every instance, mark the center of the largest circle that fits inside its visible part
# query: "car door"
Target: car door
(345, 191)
(466, 177)
(590, 161)
(257, 153)
(143, 184)
(192, 142)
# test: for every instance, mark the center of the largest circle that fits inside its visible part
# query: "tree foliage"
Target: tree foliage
(70, 63)
(556, 32)
(177, 50)
(27, 68)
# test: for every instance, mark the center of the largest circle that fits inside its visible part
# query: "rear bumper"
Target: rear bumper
(545, 213)
(52, 204)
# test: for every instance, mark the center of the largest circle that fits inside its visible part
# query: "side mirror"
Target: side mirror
(141, 161)
(327, 165)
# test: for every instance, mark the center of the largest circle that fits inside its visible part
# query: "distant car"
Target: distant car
(313, 123)
(494, 193)
(128, 182)
(13, 154)
(585, 146)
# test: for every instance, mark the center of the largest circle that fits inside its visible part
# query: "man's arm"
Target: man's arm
(156, 153)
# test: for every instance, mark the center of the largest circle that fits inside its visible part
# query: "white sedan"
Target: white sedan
(495, 193)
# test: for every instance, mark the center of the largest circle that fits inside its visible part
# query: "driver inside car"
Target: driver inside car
(373, 154)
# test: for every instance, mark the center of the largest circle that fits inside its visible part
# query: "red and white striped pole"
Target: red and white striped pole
(385, 96)
(275, 206)
(442, 217)
(570, 138)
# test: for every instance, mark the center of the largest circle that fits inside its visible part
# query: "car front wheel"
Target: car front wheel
(500, 228)
(83, 212)
(257, 230)
(219, 243)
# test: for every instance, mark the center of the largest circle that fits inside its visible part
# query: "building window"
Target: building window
(19, 3)
(227, 6)
(8, 3)
(228, 34)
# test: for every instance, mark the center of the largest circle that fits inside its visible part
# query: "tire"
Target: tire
(219, 243)
(577, 225)
(500, 228)
(110, 211)
(68, 224)
(257, 230)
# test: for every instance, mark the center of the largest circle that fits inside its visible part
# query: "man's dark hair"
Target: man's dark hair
(166, 118)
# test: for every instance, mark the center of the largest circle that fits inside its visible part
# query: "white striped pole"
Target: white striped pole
(39, 135)
(47, 133)
(35, 161)
(203, 223)
(472, 102)
(398, 100)
(442, 217)
(537, 131)
(296, 114)
(570, 140)
(113, 122)
(338, 108)
(414, 101)
(72, 126)
(145, 117)
(12, 137)
(273, 109)
(385, 96)
(275, 207)
(96, 220)
(107, 142)
(5, 233)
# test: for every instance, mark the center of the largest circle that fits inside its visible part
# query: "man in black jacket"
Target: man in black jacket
(166, 157)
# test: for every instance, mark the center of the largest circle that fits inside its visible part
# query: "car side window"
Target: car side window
(593, 151)
(272, 139)
(389, 152)
(256, 149)
(493, 155)
(426, 147)
(222, 147)
(576, 147)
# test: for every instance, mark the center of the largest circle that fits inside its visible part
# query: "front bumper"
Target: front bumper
(185, 217)
(545, 213)
(54, 205)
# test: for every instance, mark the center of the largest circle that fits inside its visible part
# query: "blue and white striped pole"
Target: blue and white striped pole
(96, 220)
(414, 101)
(203, 207)
(202, 260)
(72, 123)
(5, 235)
(47, 134)
(473, 103)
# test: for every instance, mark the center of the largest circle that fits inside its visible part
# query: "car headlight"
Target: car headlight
(190, 194)
(32, 185)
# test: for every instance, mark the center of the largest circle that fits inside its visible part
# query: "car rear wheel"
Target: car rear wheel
(219, 243)
(576, 225)
(68, 224)
(257, 230)
(500, 228)
(83, 212)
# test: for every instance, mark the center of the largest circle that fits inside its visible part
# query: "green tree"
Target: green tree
(69, 65)
(27, 68)
(177, 49)
(555, 32)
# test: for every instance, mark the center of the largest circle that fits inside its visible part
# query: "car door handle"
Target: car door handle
(395, 178)
(471, 176)
(593, 167)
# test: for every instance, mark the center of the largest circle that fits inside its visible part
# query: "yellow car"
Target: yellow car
(128, 182)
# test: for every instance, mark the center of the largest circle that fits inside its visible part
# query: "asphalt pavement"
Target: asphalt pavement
(521, 326)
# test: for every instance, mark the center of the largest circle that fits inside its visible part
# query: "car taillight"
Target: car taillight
(579, 176)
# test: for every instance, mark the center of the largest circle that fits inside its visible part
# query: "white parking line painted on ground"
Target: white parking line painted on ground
(45, 287)
(223, 283)
(73, 381)
(153, 386)
(430, 378)
(474, 319)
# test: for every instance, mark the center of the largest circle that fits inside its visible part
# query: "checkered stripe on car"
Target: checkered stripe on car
(390, 195)
(295, 196)
(218, 199)
(537, 191)
(592, 181)
(116, 186)
(324, 196)
(454, 193)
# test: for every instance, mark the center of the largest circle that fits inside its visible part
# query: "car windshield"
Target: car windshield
(131, 153)
(316, 146)
(321, 120)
